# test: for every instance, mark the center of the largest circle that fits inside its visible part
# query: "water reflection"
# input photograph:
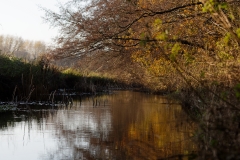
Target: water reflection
(124, 125)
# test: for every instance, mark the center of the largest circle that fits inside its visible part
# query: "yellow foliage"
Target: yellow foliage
(157, 66)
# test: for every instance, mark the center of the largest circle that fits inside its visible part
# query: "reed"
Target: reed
(36, 80)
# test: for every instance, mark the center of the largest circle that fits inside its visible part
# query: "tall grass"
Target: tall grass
(21, 81)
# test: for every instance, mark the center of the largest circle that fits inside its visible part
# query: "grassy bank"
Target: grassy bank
(22, 81)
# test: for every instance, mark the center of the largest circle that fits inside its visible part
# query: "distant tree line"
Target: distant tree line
(17, 46)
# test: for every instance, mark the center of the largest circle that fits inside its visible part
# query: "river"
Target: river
(118, 126)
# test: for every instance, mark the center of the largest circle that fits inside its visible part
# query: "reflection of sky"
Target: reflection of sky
(89, 123)
(24, 141)
(56, 136)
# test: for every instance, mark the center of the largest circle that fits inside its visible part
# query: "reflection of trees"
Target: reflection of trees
(9, 119)
(132, 126)
(129, 125)
(6, 120)
(147, 128)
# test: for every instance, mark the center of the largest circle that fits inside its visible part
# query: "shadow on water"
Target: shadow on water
(123, 125)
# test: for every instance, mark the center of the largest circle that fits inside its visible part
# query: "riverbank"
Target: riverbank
(28, 81)
(216, 111)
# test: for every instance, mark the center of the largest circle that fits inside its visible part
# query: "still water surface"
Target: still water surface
(123, 125)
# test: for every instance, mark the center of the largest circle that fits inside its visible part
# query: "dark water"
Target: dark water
(124, 125)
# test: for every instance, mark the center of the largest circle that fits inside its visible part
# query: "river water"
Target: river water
(119, 126)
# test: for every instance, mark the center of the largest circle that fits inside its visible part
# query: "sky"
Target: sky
(23, 18)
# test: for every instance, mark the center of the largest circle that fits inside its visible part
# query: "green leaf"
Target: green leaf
(157, 22)
(238, 32)
(237, 90)
(143, 43)
(142, 36)
(224, 95)
(223, 6)
(213, 143)
(176, 48)
(238, 86)
(161, 36)
(227, 38)
(238, 95)
(202, 74)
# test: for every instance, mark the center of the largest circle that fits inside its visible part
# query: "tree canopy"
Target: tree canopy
(164, 37)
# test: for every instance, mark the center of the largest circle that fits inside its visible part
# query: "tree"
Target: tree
(16, 46)
(188, 38)
(35, 48)
(10, 44)
(124, 28)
